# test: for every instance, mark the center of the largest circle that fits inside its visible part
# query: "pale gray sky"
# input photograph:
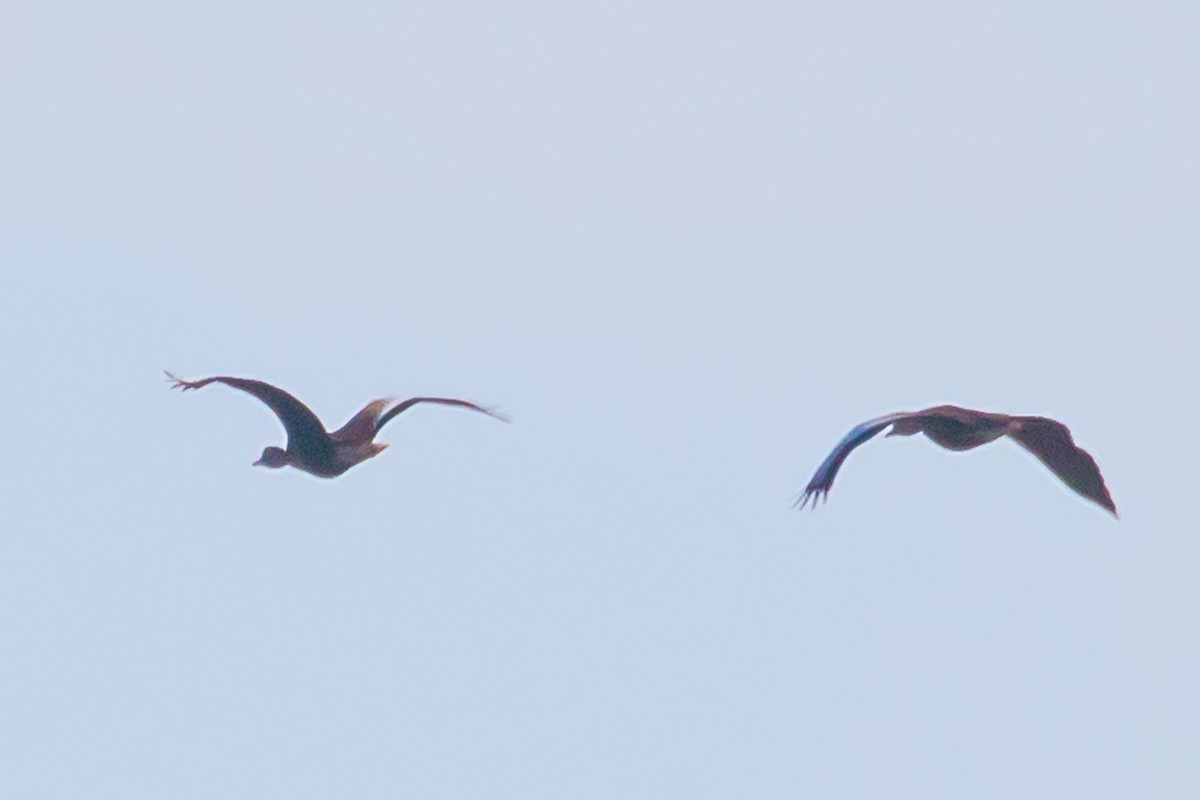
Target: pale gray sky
(687, 247)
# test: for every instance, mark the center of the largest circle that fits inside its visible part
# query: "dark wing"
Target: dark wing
(305, 432)
(1051, 442)
(822, 480)
(400, 408)
(362, 426)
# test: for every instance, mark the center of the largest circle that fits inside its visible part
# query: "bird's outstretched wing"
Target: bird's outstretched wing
(400, 408)
(305, 431)
(1053, 445)
(362, 426)
(822, 480)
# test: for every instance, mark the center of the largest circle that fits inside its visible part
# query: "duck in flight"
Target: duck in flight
(957, 428)
(309, 446)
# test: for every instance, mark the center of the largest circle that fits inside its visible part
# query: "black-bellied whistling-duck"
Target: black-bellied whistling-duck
(309, 446)
(963, 429)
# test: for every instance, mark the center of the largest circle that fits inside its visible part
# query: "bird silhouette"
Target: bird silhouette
(309, 446)
(956, 428)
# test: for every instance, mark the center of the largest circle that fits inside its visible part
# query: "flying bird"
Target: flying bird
(309, 446)
(957, 428)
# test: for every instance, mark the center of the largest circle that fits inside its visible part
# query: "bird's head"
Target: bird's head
(273, 457)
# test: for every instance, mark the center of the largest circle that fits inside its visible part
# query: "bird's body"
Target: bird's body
(956, 428)
(309, 446)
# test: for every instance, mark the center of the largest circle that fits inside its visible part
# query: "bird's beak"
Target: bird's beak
(258, 463)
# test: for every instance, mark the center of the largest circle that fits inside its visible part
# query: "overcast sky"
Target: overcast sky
(686, 247)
